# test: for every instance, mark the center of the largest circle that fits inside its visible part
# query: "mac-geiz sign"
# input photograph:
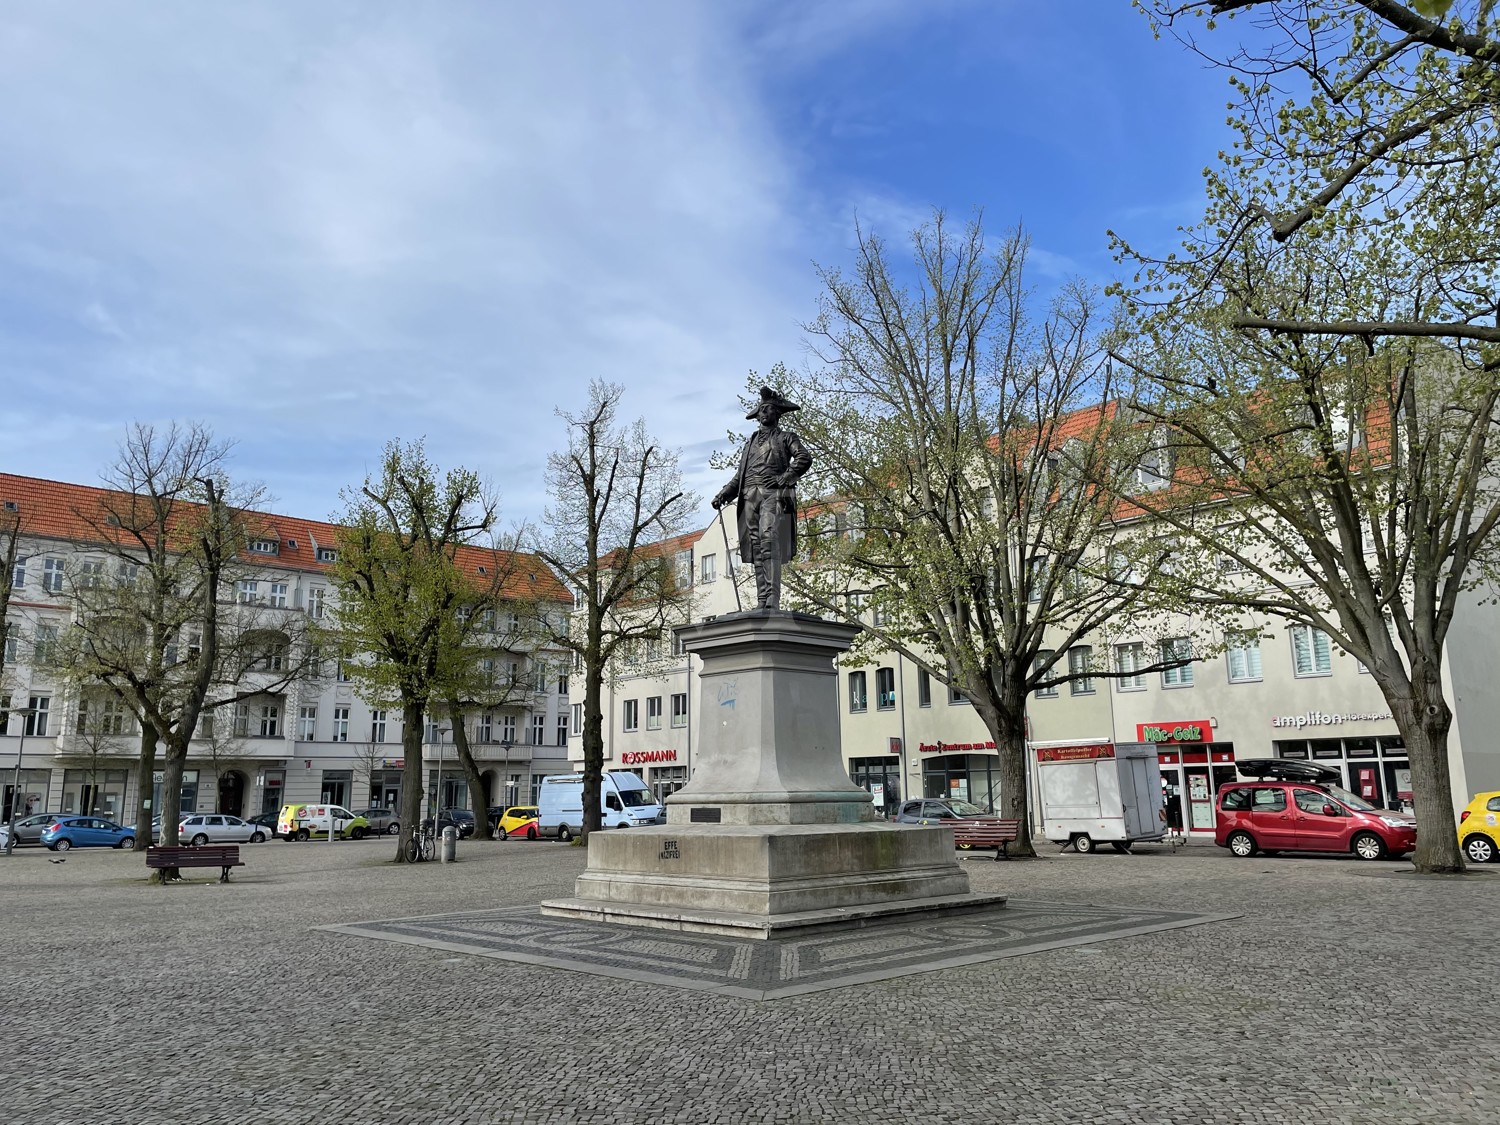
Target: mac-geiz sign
(1192, 730)
(1324, 719)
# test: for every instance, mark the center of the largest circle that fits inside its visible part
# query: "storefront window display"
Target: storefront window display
(1190, 781)
(1374, 767)
(99, 792)
(963, 777)
(881, 778)
(29, 797)
(666, 780)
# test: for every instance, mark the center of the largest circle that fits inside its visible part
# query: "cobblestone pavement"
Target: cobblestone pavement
(1346, 993)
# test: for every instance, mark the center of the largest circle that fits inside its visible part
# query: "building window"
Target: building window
(18, 576)
(1046, 688)
(924, 688)
(278, 594)
(127, 574)
(632, 715)
(885, 689)
(341, 724)
(247, 591)
(12, 641)
(1243, 652)
(307, 722)
(858, 697)
(508, 729)
(270, 721)
(653, 713)
(1129, 660)
(327, 554)
(577, 718)
(1312, 655)
(44, 648)
(1080, 658)
(538, 730)
(206, 723)
(90, 574)
(684, 567)
(679, 709)
(343, 675)
(241, 720)
(263, 546)
(562, 677)
(1177, 648)
(484, 729)
(377, 726)
(562, 729)
(956, 697)
(315, 602)
(52, 575)
(707, 566)
(101, 715)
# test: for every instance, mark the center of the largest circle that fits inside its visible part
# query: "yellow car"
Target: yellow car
(516, 821)
(1479, 828)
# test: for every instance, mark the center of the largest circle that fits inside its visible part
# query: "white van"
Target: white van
(624, 802)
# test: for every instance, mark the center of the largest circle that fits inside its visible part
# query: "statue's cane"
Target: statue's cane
(729, 561)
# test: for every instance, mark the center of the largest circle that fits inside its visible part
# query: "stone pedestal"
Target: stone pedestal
(770, 836)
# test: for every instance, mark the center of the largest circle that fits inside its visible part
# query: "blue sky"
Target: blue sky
(317, 227)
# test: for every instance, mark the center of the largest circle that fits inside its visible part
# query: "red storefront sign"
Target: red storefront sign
(636, 757)
(951, 747)
(1189, 730)
(1081, 753)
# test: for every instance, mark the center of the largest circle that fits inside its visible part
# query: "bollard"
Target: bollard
(449, 850)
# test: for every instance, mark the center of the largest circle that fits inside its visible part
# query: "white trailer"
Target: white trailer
(1093, 793)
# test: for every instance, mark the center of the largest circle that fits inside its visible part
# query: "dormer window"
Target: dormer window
(1154, 469)
(263, 547)
(327, 554)
(291, 544)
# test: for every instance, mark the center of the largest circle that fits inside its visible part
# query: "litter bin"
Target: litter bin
(448, 851)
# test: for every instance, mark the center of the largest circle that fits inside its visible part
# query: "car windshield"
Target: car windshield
(1358, 804)
(964, 808)
(636, 798)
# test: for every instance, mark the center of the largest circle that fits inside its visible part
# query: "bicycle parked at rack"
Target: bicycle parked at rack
(423, 844)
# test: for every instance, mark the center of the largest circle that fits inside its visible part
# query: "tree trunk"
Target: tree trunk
(1424, 722)
(413, 775)
(593, 744)
(478, 800)
(171, 804)
(144, 771)
(1009, 733)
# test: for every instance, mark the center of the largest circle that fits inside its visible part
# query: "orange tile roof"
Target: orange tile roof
(54, 510)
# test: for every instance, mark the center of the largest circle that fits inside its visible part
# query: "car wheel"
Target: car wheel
(1083, 843)
(127, 844)
(393, 830)
(257, 837)
(359, 833)
(1480, 849)
(1367, 845)
(531, 832)
(62, 845)
(1121, 846)
(301, 834)
(1241, 844)
(564, 835)
(199, 840)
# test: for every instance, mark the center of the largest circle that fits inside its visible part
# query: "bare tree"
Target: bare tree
(956, 437)
(615, 495)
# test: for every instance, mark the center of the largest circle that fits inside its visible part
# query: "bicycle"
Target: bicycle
(422, 846)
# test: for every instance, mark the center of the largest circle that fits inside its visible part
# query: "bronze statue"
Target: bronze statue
(770, 467)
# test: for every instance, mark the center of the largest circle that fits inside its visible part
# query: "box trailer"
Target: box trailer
(1094, 793)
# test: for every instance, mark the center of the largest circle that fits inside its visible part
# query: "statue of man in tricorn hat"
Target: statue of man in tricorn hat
(770, 467)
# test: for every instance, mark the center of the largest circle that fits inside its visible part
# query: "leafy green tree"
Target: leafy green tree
(615, 496)
(1324, 344)
(395, 620)
(955, 434)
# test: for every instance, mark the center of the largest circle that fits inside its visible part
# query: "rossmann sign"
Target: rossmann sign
(639, 757)
(1191, 730)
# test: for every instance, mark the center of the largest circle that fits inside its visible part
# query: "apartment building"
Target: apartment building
(67, 749)
(1274, 691)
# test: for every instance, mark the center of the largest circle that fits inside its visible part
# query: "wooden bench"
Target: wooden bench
(222, 856)
(991, 832)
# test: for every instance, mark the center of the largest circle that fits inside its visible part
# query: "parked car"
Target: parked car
(517, 821)
(1479, 828)
(930, 810)
(462, 819)
(382, 820)
(29, 828)
(266, 820)
(1283, 812)
(218, 828)
(86, 832)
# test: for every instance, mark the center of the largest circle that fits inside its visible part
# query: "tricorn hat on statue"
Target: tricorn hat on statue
(783, 406)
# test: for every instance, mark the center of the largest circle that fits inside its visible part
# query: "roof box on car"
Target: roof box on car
(1288, 769)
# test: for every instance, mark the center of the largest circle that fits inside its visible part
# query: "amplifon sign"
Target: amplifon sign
(1192, 730)
(1324, 719)
(637, 757)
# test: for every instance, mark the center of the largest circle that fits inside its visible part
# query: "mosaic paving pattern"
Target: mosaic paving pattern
(768, 970)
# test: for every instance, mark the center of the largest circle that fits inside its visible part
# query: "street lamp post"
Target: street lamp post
(505, 744)
(15, 785)
(437, 796)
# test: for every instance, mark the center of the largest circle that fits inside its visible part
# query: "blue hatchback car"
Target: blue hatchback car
(86, 832)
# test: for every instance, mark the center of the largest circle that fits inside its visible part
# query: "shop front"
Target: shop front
(1374, 767)
(659, 769)
(1192, 769)
(964, 771)
(880, 777)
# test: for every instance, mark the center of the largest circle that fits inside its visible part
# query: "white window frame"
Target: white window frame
(246, 591)
(1135, 681)
(653, 712)
(278, 594)
(708, 568)
(859, 692)
(1247, 646)
(1320, 664)
(1177, 648)
(1047, 688)
(1079, 658)
(53, 571)
(630, 715)
(341, 724)
(679, 709)
(307, 722)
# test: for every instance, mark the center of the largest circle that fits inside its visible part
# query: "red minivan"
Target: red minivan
(1273, 814)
